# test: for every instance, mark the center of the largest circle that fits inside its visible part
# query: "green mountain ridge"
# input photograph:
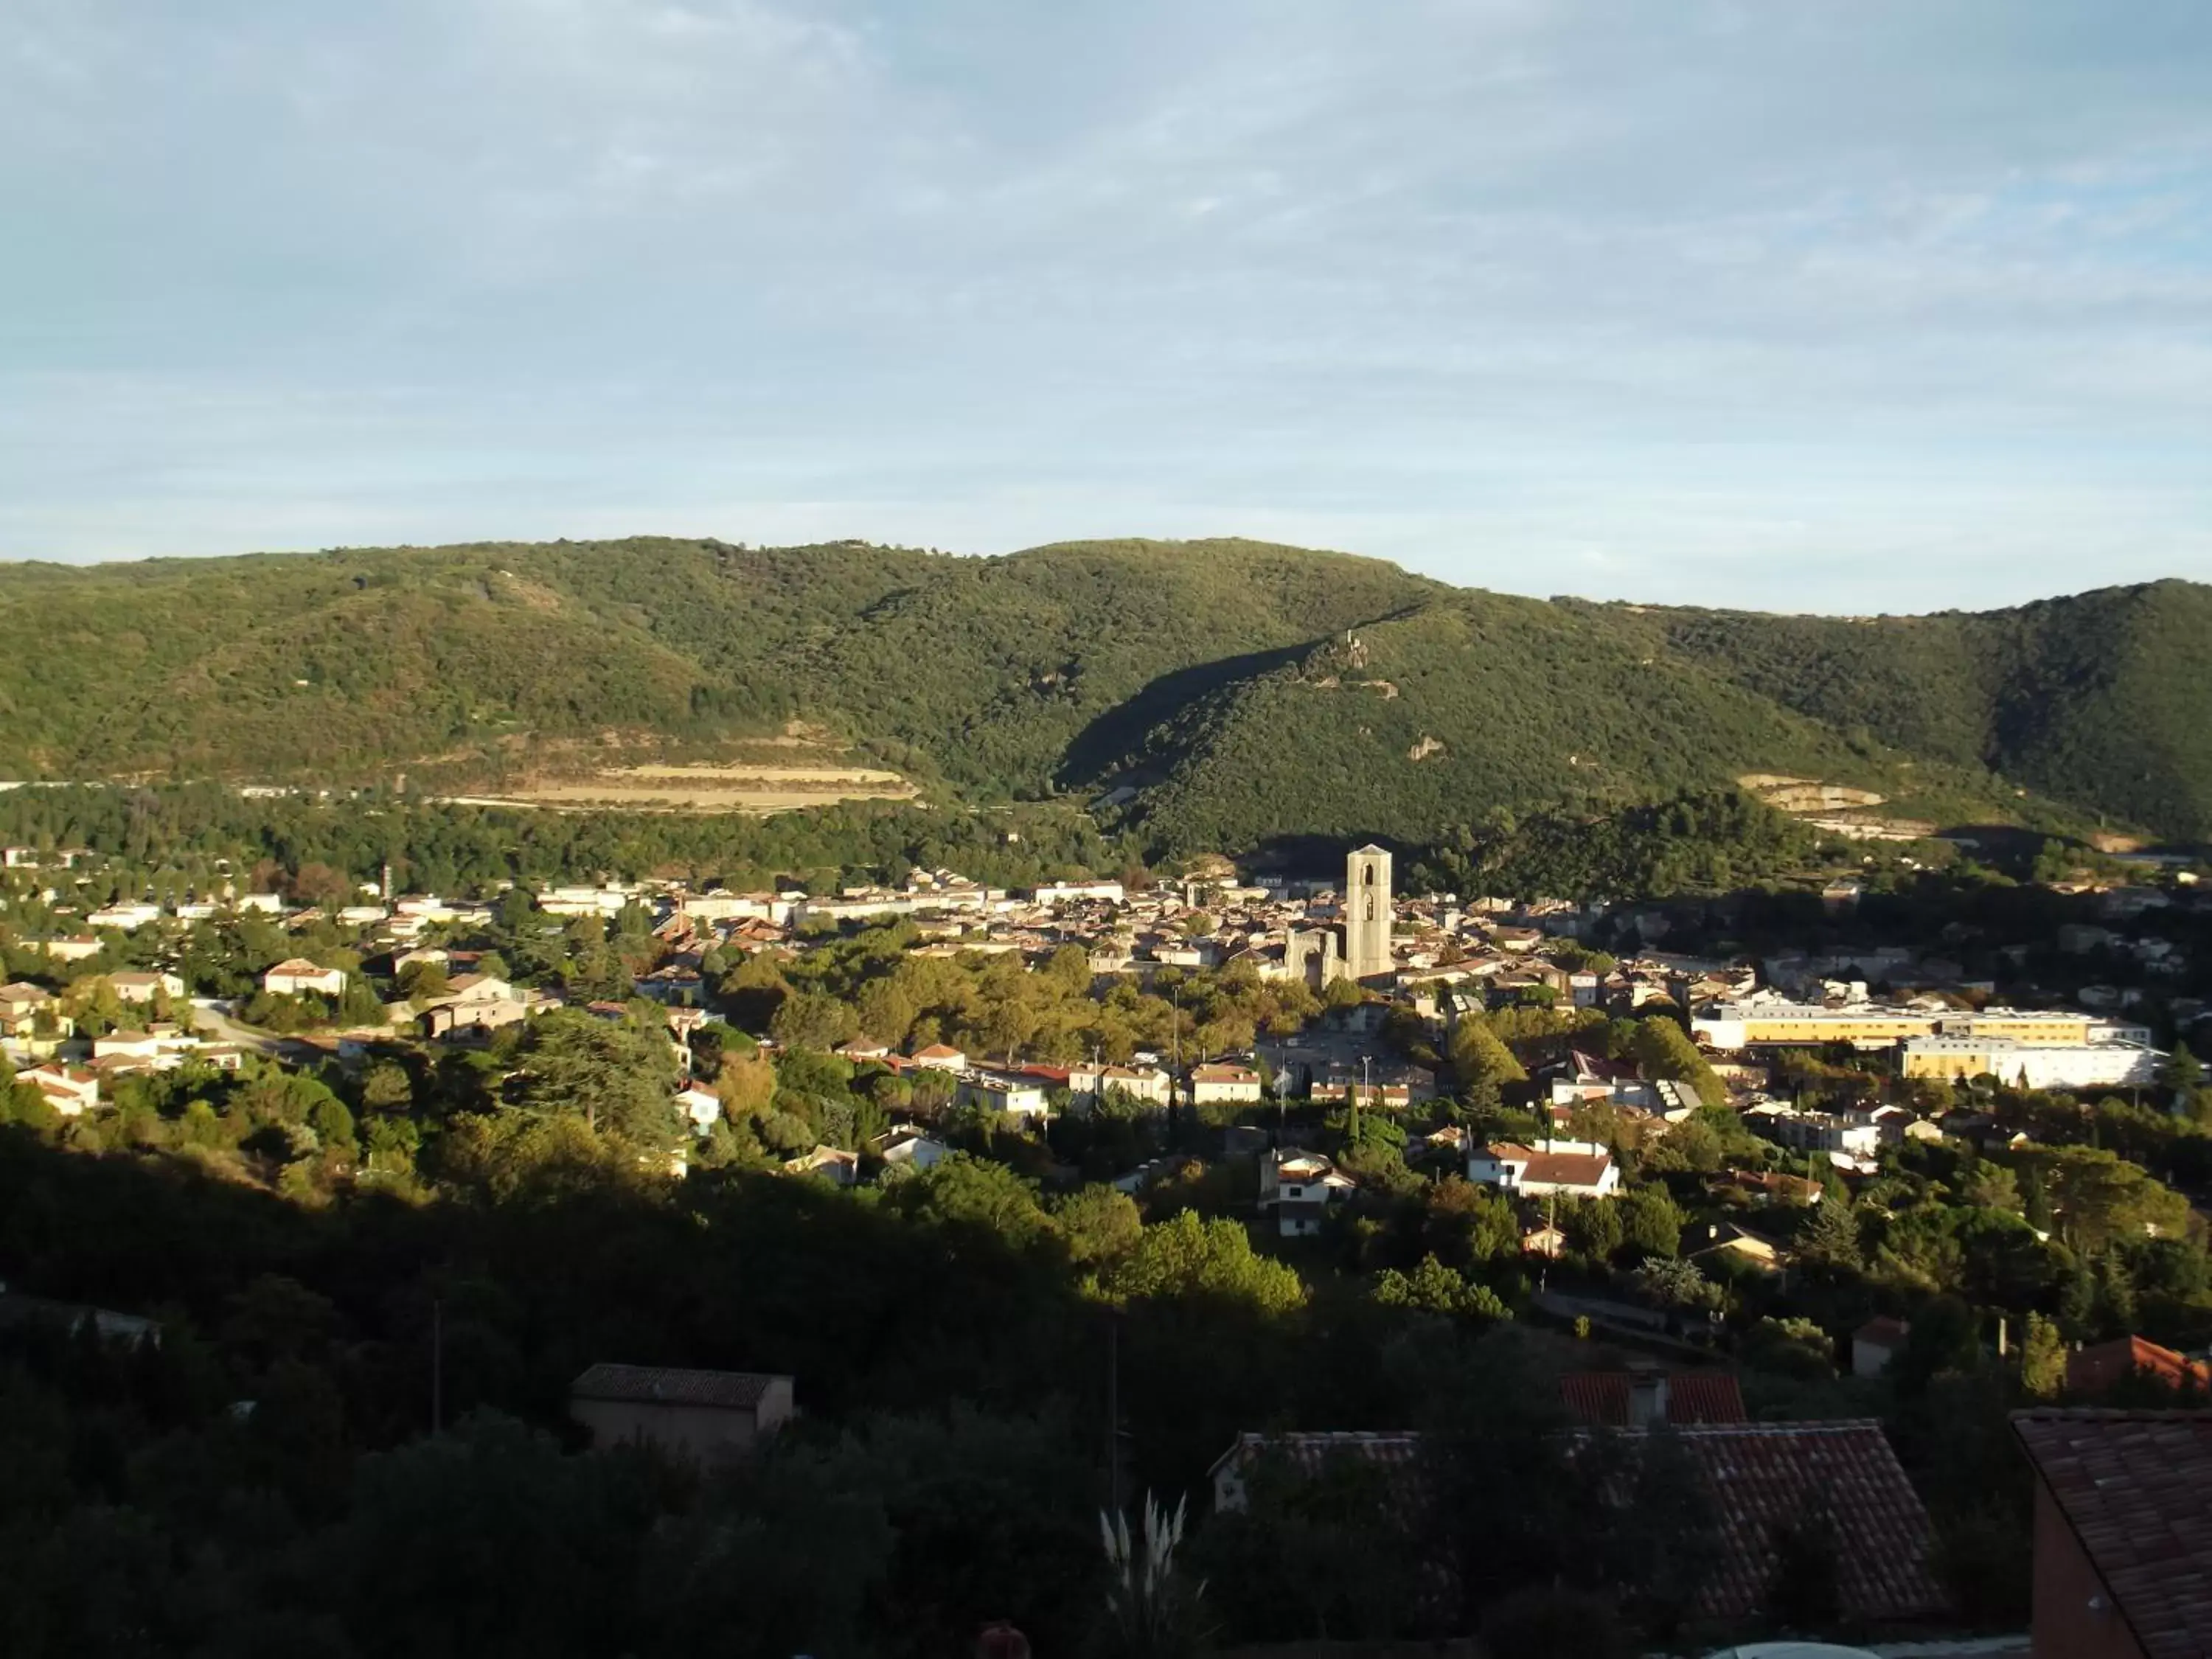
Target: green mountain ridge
(2092, 699)
(1215, 693)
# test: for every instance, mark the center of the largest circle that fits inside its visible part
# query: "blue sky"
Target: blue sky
(1837, 304)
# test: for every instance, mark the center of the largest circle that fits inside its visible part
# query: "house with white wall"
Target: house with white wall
(1299, 1187)
(297, 976)
(1566, 1168)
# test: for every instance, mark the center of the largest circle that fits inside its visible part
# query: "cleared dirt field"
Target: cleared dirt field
(1806, 794)
(738, 787)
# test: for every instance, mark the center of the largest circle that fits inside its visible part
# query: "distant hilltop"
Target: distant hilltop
(1214, 693)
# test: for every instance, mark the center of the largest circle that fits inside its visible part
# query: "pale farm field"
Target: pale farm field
(705, 788)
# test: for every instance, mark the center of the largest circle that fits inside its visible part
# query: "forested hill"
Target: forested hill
(983, 673)
(1219, 692)
(2099, 699)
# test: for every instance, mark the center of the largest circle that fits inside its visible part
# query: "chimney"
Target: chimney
(1647, 1398)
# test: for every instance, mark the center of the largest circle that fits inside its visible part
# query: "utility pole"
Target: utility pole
(1551, 1238)
(437, 1365)
(1175, 1079)
(1113, 1414)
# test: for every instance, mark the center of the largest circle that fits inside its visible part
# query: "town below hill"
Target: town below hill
(1202, 696)
(808, 1259)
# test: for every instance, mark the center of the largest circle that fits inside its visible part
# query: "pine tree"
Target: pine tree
(2116, 1297)
(2077, 1303)
(1830, 1237)
(2183, 1070)
(2042, 1359)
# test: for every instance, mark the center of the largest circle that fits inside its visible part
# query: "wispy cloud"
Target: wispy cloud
(1854, 303)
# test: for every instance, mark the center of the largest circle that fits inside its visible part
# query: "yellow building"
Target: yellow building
(1729, 1026)
(2049, 1027)
(2032, 1065)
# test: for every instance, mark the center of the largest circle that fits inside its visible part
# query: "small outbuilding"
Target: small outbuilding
(698, 1414)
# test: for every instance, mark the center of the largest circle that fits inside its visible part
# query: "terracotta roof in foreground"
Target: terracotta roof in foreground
(1310, 1452)
(1602, 1398)
(2136, 1489)
(1766, 1478)
(1762, 1478)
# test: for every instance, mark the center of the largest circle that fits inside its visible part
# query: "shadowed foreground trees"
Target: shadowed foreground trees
(950, 1334)
(951, 1367)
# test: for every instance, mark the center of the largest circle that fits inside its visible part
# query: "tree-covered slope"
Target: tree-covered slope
(1474, 703)
(994, 669)
(2096, 699)
(310, 666)
(1218, 680)
(329, 667)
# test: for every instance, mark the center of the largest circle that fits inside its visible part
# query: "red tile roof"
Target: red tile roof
(1558, 1169)
(1309, 1452)
(2096, 1370)
(1762, 1478)
(2136, 1489)
(1602, 1398)
(1766, 1477)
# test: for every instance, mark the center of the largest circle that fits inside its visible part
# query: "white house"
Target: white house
(1222, 1084)
(297, 976)
(127, 917)
(24, 1008)
(1146, 1083)
(1024, 1096)
(908, 1147)
(1299, 1187)
(1818, 1132)
(163, 1049)
(456, 1016)
(143, 989)
(701, 1106)
(69, 1090)
(583, 901)
(940, 1057)
(839, 1169)
(1572, 1168)
(470, 988)
(1071, 892)
(75, 947)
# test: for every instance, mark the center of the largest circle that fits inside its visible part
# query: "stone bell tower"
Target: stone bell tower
(1367, 911)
